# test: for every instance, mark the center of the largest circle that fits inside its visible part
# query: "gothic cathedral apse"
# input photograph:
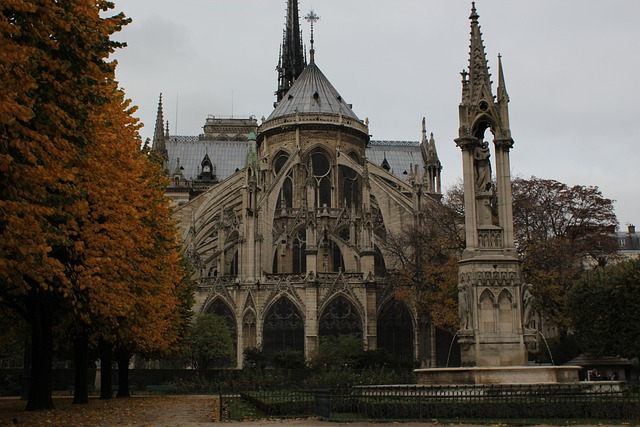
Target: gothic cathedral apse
(284, 220)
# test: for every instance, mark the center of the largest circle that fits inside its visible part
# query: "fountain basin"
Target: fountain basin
(481, 375)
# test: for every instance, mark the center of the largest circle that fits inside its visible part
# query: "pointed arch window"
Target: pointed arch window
(233, 266)
(337, 261)
(340, 318)
(322, 175)
(283, 328)
(395, 330)
(379, 266)
(285, 198)
(350, 186)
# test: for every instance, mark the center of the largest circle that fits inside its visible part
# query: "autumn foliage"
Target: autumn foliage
(561, 231)
(427, 254)
(86, 238)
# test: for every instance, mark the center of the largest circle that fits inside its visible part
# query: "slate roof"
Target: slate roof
(226, 156)
(400, 155)
(312, 93)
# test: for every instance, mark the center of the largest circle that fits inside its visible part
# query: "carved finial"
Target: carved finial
(474, 14)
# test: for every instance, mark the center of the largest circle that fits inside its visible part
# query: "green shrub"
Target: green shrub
(289, 359)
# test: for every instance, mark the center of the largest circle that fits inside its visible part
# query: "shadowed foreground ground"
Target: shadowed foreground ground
(148, 411)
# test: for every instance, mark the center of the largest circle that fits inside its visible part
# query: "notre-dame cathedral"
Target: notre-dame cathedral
(284, 220)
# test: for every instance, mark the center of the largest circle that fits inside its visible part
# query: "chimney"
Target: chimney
(632, 229)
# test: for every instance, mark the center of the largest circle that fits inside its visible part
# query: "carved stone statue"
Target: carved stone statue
(527, 300)
(464, 307)
(481, 156)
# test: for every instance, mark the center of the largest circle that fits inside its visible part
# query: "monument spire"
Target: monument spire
(503, 96)
(291, 61)
(479, 77)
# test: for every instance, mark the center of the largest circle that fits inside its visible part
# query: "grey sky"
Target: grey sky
(570, 69)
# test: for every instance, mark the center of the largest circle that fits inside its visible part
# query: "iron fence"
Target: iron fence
(415, 402)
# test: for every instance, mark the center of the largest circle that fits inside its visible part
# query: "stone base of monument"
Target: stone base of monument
(500, 375)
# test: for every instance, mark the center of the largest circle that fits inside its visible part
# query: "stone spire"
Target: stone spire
(503, 96)
(479, 79)
(488, 172)
(291, 62)
(159, 145)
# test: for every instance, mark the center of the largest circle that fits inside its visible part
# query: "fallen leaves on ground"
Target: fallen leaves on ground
(145, 411)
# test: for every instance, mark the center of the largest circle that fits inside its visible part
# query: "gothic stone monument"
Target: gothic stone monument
(492, 331)
(493, 300)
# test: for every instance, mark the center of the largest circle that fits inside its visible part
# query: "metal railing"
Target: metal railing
(415, 402)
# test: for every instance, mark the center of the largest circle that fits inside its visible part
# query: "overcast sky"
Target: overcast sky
(571, 70)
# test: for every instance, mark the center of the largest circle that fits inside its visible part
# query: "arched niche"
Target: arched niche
(283, 328)
(249, 333)
(486, 317)
(505, 312)
(396, 330)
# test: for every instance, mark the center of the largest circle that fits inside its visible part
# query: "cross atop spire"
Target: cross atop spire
(312, 18)
(291, 62)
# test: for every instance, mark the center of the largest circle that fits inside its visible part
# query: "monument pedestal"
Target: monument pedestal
(494, 349)
(502, 375)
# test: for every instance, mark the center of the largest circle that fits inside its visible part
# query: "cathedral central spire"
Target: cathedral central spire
(292, 60)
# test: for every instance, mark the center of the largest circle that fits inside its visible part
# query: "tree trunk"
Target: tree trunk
(81, 365)
(41, 322)
(123, 357)
(26, 370)
(106, 386)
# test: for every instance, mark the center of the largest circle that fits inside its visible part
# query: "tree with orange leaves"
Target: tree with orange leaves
(52, 58)
(131, 282)
(86, 238)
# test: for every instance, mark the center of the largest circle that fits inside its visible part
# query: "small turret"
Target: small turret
(432, 164)
(159, 145)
